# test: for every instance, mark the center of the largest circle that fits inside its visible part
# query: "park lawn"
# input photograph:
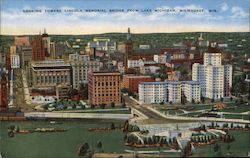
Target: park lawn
(192, 114)
(238, 109)
(240, 147)
(171, 112)
(235, 116)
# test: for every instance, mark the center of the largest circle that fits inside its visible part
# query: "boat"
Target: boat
(50, 130)
(54, 122)
(24, 131)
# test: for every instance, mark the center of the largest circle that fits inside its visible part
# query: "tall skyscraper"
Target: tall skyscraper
(128, 49)
(41, 47)
(38, 51)
(46, 43)
(215, 79)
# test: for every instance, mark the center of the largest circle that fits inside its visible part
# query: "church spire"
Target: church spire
(129, 34)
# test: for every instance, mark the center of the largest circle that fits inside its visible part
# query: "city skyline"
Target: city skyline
(224, 16)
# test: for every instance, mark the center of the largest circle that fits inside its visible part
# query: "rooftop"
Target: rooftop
(105, 72)
(134, 76)
(50, 63)
(169, 82)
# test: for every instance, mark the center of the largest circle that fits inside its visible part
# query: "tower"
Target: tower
(38, 50)
(3, 93)
(128, 35)
(128, 49)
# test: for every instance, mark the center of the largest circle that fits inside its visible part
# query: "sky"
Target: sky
(140, 15)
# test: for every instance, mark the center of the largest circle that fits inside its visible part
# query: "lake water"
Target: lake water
(66, 144)
(59, 144)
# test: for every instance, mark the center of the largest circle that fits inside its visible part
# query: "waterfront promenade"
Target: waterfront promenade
(77, 115)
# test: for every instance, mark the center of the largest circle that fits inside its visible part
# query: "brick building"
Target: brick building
(38, 50)
(104, 88)
(3, 93)
(131, 82)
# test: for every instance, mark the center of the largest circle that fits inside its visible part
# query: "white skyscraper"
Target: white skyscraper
(215, 79)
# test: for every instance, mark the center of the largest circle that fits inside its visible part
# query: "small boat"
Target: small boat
(54, 122)
(50, 130)
(24, 131)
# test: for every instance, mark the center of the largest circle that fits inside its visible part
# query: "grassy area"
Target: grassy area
(240, 147)
(234, 116)
(238, 109)
(193, 114)
(171, 112)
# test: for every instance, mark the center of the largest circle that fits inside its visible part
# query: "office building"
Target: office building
(81, 65)
(131, 82)
(22, 41)
(38, 50)
(41, 47)
(25, 56)
(191, 90)
(15, 61)
(104, 88)
(215, 79)
(168, 91)
(50, 73)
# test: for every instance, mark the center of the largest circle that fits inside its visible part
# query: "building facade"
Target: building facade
(38, 49)
(81, 65)
(168, 91)
(104, 88)
(15, 61)
(215, 79)
(192, 91)
(22, 41)
(3, 93)
(25, 56)
(131, 82)
(50, 73)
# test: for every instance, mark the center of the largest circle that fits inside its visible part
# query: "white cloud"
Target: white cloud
(14, 21)
(224, 7)
(238, 12)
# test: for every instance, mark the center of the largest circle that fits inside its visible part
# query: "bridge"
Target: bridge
(156, 115)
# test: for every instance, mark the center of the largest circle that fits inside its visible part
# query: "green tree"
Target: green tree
(193, 101)
(123, 104)
(112, 104)
(212, 100)
(103, 106)
(72, 92)
(216, 147)
(112, 125)
(84, 90)
(83, 150)
(99, 144)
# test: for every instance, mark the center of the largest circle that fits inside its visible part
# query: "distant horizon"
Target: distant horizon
(122, 33)
(74, 17)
